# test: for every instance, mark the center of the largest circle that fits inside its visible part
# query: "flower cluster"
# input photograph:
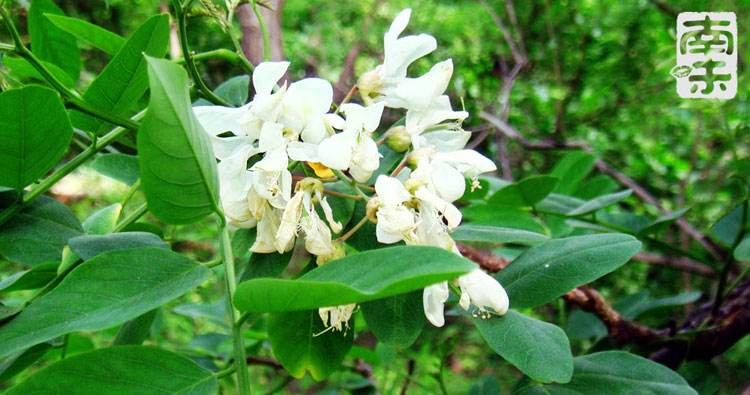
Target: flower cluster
(258, 143)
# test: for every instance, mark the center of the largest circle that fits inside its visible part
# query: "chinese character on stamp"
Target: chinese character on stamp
(706, 55)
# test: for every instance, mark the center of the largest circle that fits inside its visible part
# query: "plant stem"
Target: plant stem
(181, 19)
(341, 195)
(7, 47)
(354, 229)
(243, 379)
(352, 183)
(138, 213)
(723, 277)
(264, 31)
(131, 192)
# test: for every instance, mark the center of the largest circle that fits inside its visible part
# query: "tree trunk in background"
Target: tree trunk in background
(252, 37)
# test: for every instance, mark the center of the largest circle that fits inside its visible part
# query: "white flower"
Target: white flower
(304, 108)
(235, 182)
(433, 302)
(399, 53)
(420, 93)
(354, 149)
(483, 291)
(268, 225)
(396, 222)
(336, 317)
(300, 214)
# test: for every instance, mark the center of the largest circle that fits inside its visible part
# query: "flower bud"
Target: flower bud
(337, 252)
(417, 155)
(310, 184)
(398, 139)
(370, 82)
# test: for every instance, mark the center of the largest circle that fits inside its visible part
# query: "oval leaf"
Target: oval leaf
(121, 370)
(35, 134)
(524, 193)
(123, 81)
(102, 292)
(356, 278)
(178, 169)
(616, 373)
(89, 246)
(537, 348)
(298, 342)
(599, 203)
(121, 167)
(49, 42)
(397, 320)
(497, 235)
(98, 37)
(549, 270)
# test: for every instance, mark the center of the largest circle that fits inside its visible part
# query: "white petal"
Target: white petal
(335, 121)
(469, 162)
(306, 152)
(484, 291)
(449, 183)
(271, 136)
(390, 191)
(267, 74)
(287, 230)
(310, 95)
(219, 119)
(433, 301)
(315, 130)
(365, 159)
(443, 140)
(328, 212)
(449, 211)
(420, 93)
(336, 151)
(403, 52)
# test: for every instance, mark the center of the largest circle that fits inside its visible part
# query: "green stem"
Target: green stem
(264, 31)
(7, 47)
(64, 347)
(223, 54)
(343, 177)
(243, 378)
(131, 192)
(181, 19)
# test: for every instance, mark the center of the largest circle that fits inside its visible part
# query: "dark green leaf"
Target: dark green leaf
(599, 203)
(525, 193)
(615, 373)
(98, 37)
(397, 320)
(266, 265)
(15, 364)
(121, 167)
(538, 349)
(49, 42)
(35, 134)
(506, 217)
(37, 277)
(549, 270)
(298, 342)
(583, 325)
(178, 169)
(123, 81)
(663, 220)
(497, 235)
(725, 230)
(234, 91)
(742, 252)
(573, 167)
(598, 185)
(121, 370)
(89, 246)
(102, 292)
(485, 386)
(634, 308)
(356, 278)
(39, 233)
(136, 330)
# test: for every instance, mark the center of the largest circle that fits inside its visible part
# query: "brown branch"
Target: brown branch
(684, 264)
(485, 259)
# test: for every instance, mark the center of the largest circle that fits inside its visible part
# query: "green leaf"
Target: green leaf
(506, 217)
(298, 342)
(96, 36)
(663, 220)
(356, 278)
(49, 42)
(37, 277)
(525, 193)
(642, 303)
(615, 373)
(89, 246)
(123, 81)
(266, 265)
(538, 349)
(485, 386)
(121, 167)
(599, 203)
(35, 134)
(549, 270)
(742, 252)
(597, 185)
(16, 364)
(102, 221)
(497, 235)
(39, 233)
(104, 291)
(397, 320)
(136, 330)
(583, 325)
(121, 370)
(571, 170)
(178, 169)
(234, 91)
(21, 68)
(725, 230)
(559, 204)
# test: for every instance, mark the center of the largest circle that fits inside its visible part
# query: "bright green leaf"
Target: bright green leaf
(178, 169)
(104, 291)
(97, 36)
(123, 81)
(525, 193)
(35, 134)
(356, 278)
(538, 349)
(549, 270)
(21, 68)
(298, 342)
(121, 370)
(49, 42)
